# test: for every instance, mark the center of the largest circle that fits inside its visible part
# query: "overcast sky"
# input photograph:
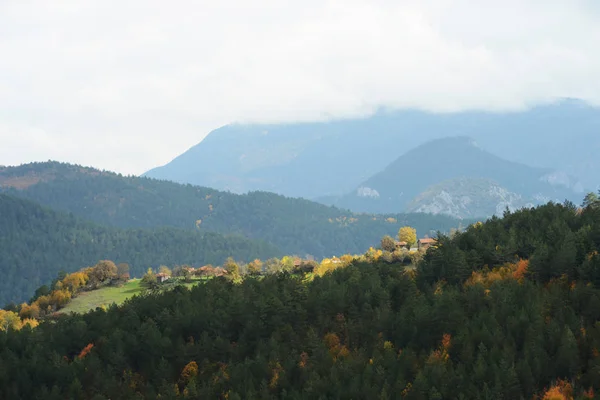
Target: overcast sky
(128, 85)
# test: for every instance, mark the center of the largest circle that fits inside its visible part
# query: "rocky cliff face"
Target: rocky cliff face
(469, 198)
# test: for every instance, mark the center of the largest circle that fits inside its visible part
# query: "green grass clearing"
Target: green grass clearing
(86, 301)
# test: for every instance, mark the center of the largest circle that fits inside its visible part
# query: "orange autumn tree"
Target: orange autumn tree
(562, 390)
(336, 349)
(486, 276)
(521, 269)
(440, 355)
(85, 351)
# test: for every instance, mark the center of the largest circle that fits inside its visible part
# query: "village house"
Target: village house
(401, 245)
(425, 243)
(161, 277)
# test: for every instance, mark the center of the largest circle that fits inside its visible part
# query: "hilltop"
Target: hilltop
(296, 226)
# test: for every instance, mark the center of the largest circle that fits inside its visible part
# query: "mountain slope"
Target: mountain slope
(295, 226)
(467, 197)
(36, 243)
(412, 174)
(507, 310)
(331, 158)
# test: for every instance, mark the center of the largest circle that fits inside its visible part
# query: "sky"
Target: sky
(128, 85)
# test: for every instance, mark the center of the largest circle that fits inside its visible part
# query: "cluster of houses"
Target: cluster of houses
(422, 244)
(201, 271)
(299, 264)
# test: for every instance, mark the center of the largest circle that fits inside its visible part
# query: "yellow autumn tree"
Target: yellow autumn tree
(75, 281)
(255, 267)
(163, 269)
(408, 234)
(30, 311)
(9, 320)
(189, 371)
(287, 263)
(60, 298)
(32, 323)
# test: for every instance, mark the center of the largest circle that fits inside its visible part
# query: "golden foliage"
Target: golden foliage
(255, 267)
(408, 235)
(163, 269)
(336, 349)
(331, 264)
(331, 340)
(276, 370)
(562, 390)
(60, 298)
(487, 277)
(75, 281)
(30, 311)
(9, 320)
(391, 220)
(373, 254)
(189, 371)
(31, 322)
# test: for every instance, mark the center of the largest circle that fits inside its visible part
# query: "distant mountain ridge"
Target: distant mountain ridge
(480, 181)
(296, 226)
(328, 159)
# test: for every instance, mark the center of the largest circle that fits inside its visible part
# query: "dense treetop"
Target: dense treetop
(506, 310)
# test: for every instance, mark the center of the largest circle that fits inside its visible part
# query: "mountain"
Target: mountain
(455, 176)
(295, 226)
(331, 158)
(36, 243)
(467, 197)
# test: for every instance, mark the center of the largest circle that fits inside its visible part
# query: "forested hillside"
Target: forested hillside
(295, 226)
(506, 310)
(36, 243)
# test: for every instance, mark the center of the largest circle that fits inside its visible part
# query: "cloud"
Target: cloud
(127, 85)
